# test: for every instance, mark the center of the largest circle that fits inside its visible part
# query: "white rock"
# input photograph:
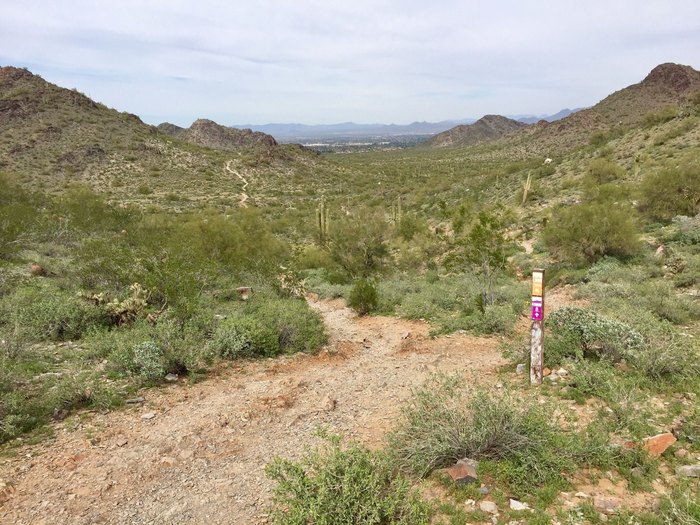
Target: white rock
(489, 506)
(518, 505)
(148, 415)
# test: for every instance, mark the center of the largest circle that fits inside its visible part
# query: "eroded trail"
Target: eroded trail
(244, 196)
(200, 458)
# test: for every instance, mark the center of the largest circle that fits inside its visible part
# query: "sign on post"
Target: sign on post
(536, 342)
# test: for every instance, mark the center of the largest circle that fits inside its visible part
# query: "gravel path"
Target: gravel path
(195, 454)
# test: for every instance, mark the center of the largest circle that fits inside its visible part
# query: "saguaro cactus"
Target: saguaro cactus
(322, 222)
(526, 188)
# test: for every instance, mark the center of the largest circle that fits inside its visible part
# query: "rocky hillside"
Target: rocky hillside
(208, 133)
(487, 128)
(667, 88)
(51, 137)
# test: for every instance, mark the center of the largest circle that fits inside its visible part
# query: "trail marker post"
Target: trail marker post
(536, 341)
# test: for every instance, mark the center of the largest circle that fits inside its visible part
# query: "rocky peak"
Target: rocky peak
(674, 76)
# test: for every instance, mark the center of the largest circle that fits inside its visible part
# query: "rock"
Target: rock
(688, 471)
(489, 506)
(148, 415)
(134, 401)
(484, 491)
(59, 414)
(518, 505)
(328, 404)
(681, 453)
(470, 503)
(562, 372)
(464, 471)
(660, 252)
(606, 504)
(581, 495)
(37, 270)
(406, 335)
(171, 378)
(520, 369)
(168, 461)
(546, 371)
(121, 441)
(244, 292)
(657, 445)
(637, 472)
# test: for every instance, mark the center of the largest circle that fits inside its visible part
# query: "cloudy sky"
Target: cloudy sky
(326, 61)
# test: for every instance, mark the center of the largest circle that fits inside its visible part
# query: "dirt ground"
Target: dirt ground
(196, 453)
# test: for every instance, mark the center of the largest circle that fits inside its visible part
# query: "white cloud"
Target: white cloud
(367, 61)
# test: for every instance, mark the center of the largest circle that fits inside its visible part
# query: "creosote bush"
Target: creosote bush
(363, 297)
(343, 484)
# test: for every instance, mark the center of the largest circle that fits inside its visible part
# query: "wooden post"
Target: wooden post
(537, 339)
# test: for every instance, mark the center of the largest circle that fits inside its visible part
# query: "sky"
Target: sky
(326, 61)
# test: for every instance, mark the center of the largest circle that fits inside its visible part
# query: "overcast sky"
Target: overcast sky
(310, 61)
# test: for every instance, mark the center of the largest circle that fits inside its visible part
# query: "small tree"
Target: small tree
(671, 192)
(358, 244)
(483, 250)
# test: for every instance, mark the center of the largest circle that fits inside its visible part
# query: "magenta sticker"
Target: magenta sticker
(536, 313)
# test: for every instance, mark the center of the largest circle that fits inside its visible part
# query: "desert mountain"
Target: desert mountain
(208, 133)
(666, 87)
(487, 128)
(52, 136)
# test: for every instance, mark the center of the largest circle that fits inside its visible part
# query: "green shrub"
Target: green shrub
(43, 313)
(670, 192)
(587, 232)
(443, 423)
(343, 485)
(598, 335)
(363, 297)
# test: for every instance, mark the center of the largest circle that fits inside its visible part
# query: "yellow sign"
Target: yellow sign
(538, 283)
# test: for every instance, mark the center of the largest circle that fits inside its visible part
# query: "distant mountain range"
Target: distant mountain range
(301, 132)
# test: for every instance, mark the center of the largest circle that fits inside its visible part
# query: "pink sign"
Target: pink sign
(537, 309)
(537, 313)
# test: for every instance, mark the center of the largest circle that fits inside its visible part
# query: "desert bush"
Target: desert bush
(269, 327)
(363, 297)
(17, 216)
(659, 117)
(343, 484)
(603, 171)
(358, 244)
(598, 335)
(443, 423)
(670, 192)
(589, 231)
(44, 313)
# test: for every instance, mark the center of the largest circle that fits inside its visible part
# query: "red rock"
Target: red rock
(36, 269)
(656, 445)
(546, 371)
(464, 471)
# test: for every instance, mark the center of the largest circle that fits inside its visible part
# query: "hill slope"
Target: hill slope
(487, 128)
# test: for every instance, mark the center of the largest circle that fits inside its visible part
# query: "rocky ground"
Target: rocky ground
(196, 453)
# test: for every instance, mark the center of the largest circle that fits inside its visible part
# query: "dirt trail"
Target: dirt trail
(244, 195)
(200, 458)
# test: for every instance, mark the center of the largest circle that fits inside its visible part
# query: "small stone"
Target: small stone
(484, 491)
(328, 404)
(688, 471)
(518, 505)
(36, 270)
(520, 369)
(171, 378)
(637, 472)
(499, 385)
(657, 445)
(562, 372)
(148, 415)
(464, 471)
(406, 335)
(489, 507)
(168, 461)
(470, 503)
(121, 441)
(581, 495)
(135, 401)
(546, 371)
(606, 504)
(681, 453)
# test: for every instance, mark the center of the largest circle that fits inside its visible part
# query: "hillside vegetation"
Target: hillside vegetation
(127, 253)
